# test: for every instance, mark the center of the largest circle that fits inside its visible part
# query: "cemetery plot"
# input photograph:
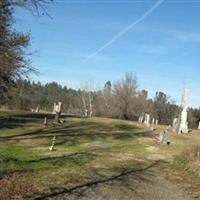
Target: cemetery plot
(89, 156)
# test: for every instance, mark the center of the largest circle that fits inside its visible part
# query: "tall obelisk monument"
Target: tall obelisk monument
(183, 124)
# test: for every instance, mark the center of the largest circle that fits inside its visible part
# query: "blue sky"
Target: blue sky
(162, 49)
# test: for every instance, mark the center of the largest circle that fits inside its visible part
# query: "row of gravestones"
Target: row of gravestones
(57, 109)
(180, 124)
(146, 119)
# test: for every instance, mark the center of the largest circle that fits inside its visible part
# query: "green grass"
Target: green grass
(84, 148)
(20, 159)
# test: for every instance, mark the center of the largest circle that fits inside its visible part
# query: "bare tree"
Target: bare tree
(86, 99)
(125, 95)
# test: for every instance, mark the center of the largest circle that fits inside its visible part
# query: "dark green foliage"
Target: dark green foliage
(163, 109)
(28, 95)
(13, 63)
(14, 60)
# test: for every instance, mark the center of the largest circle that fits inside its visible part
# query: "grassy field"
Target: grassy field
(88, 152)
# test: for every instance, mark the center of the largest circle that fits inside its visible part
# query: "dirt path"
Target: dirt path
(140, 184)
(151, 186)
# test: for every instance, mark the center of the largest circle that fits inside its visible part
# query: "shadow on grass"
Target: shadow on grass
(14, 120)
(18, 165)
(136, 173)
(68, 134)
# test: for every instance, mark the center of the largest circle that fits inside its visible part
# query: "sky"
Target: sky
(101, 40)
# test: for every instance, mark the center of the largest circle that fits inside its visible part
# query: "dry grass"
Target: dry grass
(85, 150)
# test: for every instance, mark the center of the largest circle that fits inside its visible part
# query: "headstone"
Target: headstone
(147, 120)
(141, 118)
(90, 106)
(90, 114)
(164, 137)
(175, 125)
(153, 122)
(45, 121)
(199, 125)
(156, 122)
(54, 108)
(58, 109)
(86, 112)
(52, 148)
(37, 109)
(183, 124)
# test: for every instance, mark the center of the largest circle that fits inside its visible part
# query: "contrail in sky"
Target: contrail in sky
(126, 29)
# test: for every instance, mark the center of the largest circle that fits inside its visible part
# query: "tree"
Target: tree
(124, 94)
(14, 62)
(163, 109)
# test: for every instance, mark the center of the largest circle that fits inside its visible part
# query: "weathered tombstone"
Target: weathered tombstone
(164, 137)
(147, 120)
(175, 125)
(90, 106)
(156, 122)
(58, 110)
(54, 108)
(183, 124)
(37, 109)
(52, 148)
(141, 118)
(161, 137)
(45, 122)
(86, 112)
(153, 122)
(90, 114)
(199, 125)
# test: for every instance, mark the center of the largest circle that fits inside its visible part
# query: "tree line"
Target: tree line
(121, 99)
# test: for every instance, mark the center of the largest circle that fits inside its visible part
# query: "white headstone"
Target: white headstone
(199, 125)
(153, 121)
(141, 118)
(147, 120)
(57, 107)
(156, 122)
(86, 112)
(54, 108)
(175, 125)
(37, 109)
